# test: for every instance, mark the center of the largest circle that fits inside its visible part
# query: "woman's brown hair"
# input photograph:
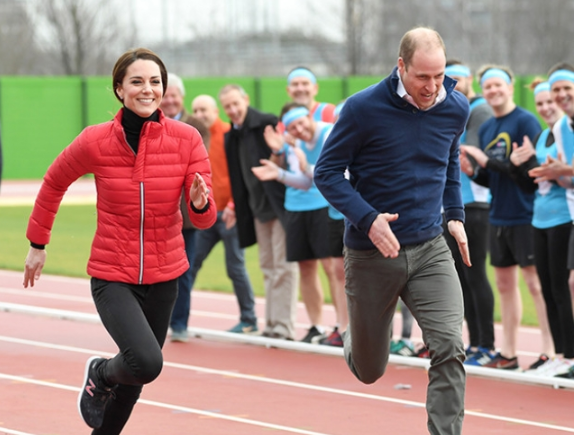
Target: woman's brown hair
(129, 57)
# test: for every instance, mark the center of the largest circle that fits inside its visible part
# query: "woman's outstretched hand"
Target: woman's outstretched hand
(33, 266)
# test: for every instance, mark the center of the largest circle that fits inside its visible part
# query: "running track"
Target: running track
(223, 384)
(216, 386)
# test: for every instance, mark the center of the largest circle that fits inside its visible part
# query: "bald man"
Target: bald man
(204, 107)
(399, 141)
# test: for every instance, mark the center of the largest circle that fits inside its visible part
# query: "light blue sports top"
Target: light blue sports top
(472, 192)
(550, 205)
(306, 200)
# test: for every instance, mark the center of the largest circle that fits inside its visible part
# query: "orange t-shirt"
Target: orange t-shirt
(218, 160)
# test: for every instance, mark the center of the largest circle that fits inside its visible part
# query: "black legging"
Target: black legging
(137, 319)
(476, 289)
(551, 247)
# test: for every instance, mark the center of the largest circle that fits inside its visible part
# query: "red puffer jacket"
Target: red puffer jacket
(138, 238)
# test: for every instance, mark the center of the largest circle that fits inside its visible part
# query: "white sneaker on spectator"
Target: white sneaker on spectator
(540, 370)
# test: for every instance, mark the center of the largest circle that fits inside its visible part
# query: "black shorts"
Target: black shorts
(511, 245)
(307, 234)
(570, 264)
(336, 234)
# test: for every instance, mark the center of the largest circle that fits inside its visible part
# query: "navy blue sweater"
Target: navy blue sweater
(401, 160)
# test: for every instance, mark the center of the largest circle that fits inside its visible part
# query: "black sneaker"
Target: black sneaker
(334, 339)
(313, 333)
(501, 362)
(93, 396)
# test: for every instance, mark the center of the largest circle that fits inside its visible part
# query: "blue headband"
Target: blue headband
(301, 72)
(561, 74)
(495, 72)
(294, 114)
(541, 87)
(457, 71)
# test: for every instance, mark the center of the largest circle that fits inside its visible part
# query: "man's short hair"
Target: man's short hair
(175, 80)
(419, 37)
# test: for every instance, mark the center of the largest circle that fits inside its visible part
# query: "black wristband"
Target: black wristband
(198, 211)
(36, 246)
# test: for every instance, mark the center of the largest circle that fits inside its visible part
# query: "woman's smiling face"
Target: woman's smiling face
(141, 89)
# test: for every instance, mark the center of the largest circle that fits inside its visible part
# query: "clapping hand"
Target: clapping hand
(551, 169)
(476, 153)
(522, 154)
(273, 138)
(268, 171)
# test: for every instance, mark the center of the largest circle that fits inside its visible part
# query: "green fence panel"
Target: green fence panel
(331, 90)
(101, 103)
(358, 83)
(40, 117)
(272, 94)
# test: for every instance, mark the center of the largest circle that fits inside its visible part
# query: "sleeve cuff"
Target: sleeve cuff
(366, 222)
(198, 211)
(454, 215)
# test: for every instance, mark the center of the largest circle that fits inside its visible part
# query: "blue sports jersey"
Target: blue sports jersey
(550, 206)
(472, 192)
(312, 199)
(510, 205)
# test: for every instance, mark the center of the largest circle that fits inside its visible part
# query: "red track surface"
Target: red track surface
(221, 387)
(215, 387)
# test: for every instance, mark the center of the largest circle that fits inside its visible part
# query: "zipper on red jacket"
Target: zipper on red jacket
(140, 278)
(140, 275)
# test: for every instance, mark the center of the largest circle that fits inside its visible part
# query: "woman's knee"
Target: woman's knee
(147, 366)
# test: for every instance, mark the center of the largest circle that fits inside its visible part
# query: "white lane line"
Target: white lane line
(46, 295)
(186, 409)
(226, 373)
(197, 294)
(4, 430)
(93, 318)
(226, 297)
(90, 301)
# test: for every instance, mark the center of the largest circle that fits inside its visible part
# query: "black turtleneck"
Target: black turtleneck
(132, 124)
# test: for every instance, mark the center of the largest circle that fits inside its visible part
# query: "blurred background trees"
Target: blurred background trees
(269, 37)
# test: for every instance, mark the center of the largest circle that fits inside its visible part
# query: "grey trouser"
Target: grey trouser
(280, 279)
(425, 278)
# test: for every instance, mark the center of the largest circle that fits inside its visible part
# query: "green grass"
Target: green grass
(72, 234)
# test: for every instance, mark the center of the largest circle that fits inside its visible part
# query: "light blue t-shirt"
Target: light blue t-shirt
(550, 205)
(472, 192)
(306, 200)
